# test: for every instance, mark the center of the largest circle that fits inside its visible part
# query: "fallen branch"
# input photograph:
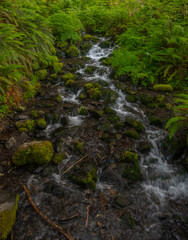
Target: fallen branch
(87, 216)
(75, 164)
(58, 228)
(71, 217)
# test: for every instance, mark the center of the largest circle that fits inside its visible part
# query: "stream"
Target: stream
(151, 209)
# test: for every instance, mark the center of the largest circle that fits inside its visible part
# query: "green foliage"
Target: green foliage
(181, 120)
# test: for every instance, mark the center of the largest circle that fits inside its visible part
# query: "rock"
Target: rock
(8, 209)
(163, 87)
(54, 189)
(156, 121)
(59, 157)
(10, 143)
(90, 69)
(109, 110)
(138, 126)
(144, 146)
(23, 117)
(78, 147)
(96, 112)
(146, 98)
(59, 132)
(122, 86)
(64, 121)
(36, 152)
(127, 219)
(131, 133)
(122, 200)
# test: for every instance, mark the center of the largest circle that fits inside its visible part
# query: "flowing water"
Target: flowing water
(155, 201)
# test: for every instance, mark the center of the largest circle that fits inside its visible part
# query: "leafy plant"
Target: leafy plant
(181, 120)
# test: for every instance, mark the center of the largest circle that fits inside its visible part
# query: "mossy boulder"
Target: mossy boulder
(26, 125)
(163, 87)
(88, 86)
(86, 178)
(41, 123)
(82, 96)
(7, 217)
(90, 69)
(88, 37)
(59, 157)
(97, 113)
(113, 118)
(72, 52)
(36, 152)
(132, 169)
(68, 76)
(138, 126)
(82, 110)
(105, 44)
(144, 147)
(131, 133)
(132, 98)
(109, 110)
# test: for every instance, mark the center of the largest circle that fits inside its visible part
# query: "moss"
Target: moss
(156, 121)
(88, 86)
(33, 153)
(58, 98)
(41, 123)
(132, 169)
(104, 127)
(90, 69)
(57, 66)
(34, 114)
(163, 88)
(42, 74)
(59, 157)
(22, 130)
(109, 95)
(96, 113)
(68, 76)
(132, 98)
(82, 96)
(138, 126)
(168, 106)
(109, 110)
(7, 220)
(131, 133)
(78, 147)
(82, 110)
(70, 83)
(94, 93)
(30, 125)
(105, 44)
(113, 119)
(88, 37)
(53, 76)
(118, 125)
(86, 180)
(146, 98)
(72, 51)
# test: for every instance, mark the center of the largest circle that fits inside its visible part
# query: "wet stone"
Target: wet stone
(122, 200)
(10, 143)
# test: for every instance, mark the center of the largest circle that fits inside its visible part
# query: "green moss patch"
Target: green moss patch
(163, 87)
(82, 110)
(30, 125)
(131, 133)
(72, 51)
(41, 123)
(68, 76)
(138, 126)
(59, 157)
(36, 152)
(7, 219)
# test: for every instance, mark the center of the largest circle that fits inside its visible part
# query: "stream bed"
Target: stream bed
(154, 208)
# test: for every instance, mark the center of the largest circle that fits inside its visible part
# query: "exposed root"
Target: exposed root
(58, 228)
(87, 216)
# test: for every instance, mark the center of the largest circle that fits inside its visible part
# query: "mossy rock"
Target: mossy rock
(105, 44)
(82, 96)
(168, 106)
(88, 86)
(109, 95)
(156, 121)
(30, 125)
(131, 133)
(78, 147)
(127, 219)
(132, 169)
(68, 76)
(90, 69)
(144, 147)
(109, 110)
(36, 152)
(96, 112)
(132, 98)
(72, 52)
(88, 37)
(118, 125)
(41, 123)
(59, 157)
(58, 98)
(113, 118)
(104, 127)
(86, 179)
(82, 110)
(138, 126)
(146, 98)
(94, 93)
(70, 83)
(34, 114)
(42, 74)
(163, 87)
(7, 217)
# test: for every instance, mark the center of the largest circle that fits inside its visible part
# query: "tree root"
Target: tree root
(75, 164)
(58, 228)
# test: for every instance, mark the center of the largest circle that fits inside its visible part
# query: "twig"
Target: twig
(87, 216)
(71, 217)
(101, 158)
(58, 228)
(75, 164)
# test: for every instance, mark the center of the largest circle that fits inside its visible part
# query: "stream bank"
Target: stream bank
(92, 116)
